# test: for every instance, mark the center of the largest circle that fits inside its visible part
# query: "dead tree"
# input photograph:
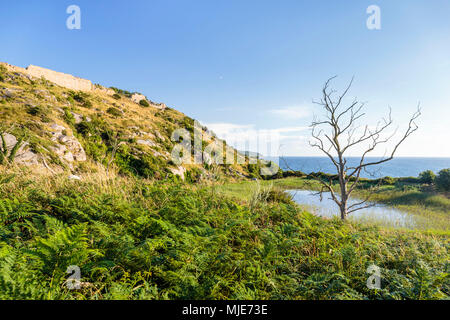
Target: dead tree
(338, 133)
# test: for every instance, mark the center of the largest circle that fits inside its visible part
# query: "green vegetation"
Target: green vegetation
(125, 93)
(7, 155)
(136, 239)
(3, 72)
(427, 176)
(114, 111)
(443, 180)
(144, 103)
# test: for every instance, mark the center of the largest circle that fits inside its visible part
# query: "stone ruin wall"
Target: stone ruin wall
(71, 82)
(62, 79)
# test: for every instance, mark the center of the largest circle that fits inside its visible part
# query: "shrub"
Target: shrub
(443, 180)
(280, 196)
(115, 112)
(387, 180)
(125, 93)
(80, 97)
(84, 128)
(116, 96)
(144, 103)
(427, 176)
(3, 71)
(87, 104)
(35, 110)
(68, 117)
(39, 111)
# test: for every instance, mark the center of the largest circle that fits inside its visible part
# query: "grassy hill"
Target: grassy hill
(76, 131)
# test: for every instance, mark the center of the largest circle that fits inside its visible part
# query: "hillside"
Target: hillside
(61, 129)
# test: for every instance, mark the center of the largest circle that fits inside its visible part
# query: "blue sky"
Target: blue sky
(249, 66)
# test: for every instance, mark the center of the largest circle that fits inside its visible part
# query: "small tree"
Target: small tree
(443, 180)
(144, 103)
(338, 133)
(427, 176)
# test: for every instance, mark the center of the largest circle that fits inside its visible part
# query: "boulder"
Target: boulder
(137, 97)
(24, 155)
(180, 171)
(69, 148)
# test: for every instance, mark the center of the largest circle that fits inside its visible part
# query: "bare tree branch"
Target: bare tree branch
(341, 123)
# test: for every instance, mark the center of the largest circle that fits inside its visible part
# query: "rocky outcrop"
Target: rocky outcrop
(137, 97)
(146, 142)
(68, 148)
(180, 171)
(24, 155)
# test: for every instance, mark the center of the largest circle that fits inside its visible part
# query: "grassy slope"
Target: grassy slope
(35, 105)
(432, 209)
(136, 239)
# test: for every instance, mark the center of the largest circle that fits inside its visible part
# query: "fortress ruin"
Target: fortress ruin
(61, 79)
(74, 83)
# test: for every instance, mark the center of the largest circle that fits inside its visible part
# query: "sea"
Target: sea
(397, 167)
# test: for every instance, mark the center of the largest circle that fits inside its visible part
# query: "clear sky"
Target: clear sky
(254, 65)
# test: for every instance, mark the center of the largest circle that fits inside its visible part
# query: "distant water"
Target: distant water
(328, 208)
(397, 167)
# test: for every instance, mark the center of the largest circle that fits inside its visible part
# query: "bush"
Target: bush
(443, 180)
(87, 104)
(36, 110)
(144, 103)
(84, 128)
(80, 97)
(116, 96)
(115, 112)
(3, 71)
(427, 176)
(387, 180)
(280, 196)
(125, 93)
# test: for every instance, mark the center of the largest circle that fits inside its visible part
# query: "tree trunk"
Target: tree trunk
(343, 208)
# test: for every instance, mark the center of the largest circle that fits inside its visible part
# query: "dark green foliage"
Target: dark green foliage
(39, 111)
(80, 96)
(254, 170)
(143, 165)
(114, 112)
(144, 103)
(68, 117)
(84, 128)
(116, 96)
(427, 176)
(134, 240)
(279, 196)
(291, 173)
(193, 175)
(125, 93)
(443, 180)
(3, 72)
(387, 180)
(87, 104)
